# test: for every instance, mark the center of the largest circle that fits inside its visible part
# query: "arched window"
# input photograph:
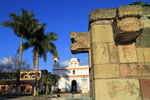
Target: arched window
(33, 76)
(75, 64)
(73, 71)
(25, 76)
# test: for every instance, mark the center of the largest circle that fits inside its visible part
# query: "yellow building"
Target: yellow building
(8, 81)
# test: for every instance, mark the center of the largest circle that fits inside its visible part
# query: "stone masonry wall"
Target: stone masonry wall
(119, 53)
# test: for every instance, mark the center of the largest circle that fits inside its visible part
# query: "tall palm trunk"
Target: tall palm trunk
(46, 86)
(19, 65)
(52, 89)
(36, 74)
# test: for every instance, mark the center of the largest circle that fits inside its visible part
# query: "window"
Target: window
(73, 71)
(33, 76)
(75, 64)
(55, 62)
(22, 76)
(26, 76)
(38, 74)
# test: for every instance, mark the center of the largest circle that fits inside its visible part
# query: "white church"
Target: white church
(72, 78)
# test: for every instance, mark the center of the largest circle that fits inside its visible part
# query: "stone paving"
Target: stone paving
(67, 96)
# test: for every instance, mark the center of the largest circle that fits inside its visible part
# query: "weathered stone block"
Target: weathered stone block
(127, 27)
(106, 71)
(114, 56)
(146, 11)
(127, 53)
(143, 41)
(146, 54)
(80, 42)
(117, 89)
(131, 10)
(102, 33)
(102, 14)
(100, 53)
(145, 88)
(135, 69)
(145, 21)
(129, 24)
(145, 18)
(127, 30)
(91, 73)
(140, 55)
(89, 58)
(92, 89)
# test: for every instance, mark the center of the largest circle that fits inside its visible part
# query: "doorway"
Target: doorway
(74, 86)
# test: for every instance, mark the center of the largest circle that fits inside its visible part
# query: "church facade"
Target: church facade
(72, 78)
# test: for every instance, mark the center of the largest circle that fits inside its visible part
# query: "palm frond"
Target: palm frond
(7, 24)
(31, 14)
(52, 49)
(13, 16)
(51, 36)
(44, 56)
(25, 46)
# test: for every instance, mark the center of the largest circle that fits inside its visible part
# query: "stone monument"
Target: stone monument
(118, 44)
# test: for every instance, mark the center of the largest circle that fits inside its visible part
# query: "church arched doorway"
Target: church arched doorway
(74, 86)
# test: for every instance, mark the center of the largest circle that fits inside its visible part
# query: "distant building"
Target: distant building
(72, 78)
(27, 77)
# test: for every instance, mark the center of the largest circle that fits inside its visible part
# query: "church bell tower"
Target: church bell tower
(56, 62)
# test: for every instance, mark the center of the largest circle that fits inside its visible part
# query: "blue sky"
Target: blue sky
(61, 16)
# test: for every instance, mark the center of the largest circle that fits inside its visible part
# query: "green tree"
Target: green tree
(23, 26)
(11, 64)
(41, 44)
(140, 3)
(48, 80)
(1, 67)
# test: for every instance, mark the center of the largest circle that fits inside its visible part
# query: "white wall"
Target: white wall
(67, 76)
(70, 72)
(64, 83)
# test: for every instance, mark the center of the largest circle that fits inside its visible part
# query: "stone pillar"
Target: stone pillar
(119, 53)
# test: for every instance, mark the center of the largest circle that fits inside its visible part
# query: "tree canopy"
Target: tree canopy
(140, 3)
(49, 79)
(41, 43)
(24, 24)
(12, 64)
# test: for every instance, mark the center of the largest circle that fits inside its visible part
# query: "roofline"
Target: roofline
(74, 61)
(24, 70)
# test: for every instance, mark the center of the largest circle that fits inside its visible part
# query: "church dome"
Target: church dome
(73, 59)
(73, 62)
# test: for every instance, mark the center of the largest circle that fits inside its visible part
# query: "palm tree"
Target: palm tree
(23, 26)
(41, 44)
(48, 80)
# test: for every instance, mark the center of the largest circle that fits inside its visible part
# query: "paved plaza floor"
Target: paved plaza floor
(63, 96)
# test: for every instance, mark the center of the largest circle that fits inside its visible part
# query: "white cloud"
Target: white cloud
(65, 63)
(6, 60)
